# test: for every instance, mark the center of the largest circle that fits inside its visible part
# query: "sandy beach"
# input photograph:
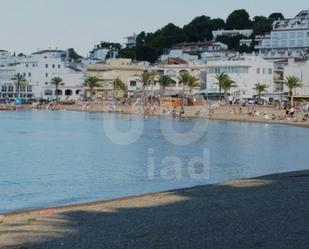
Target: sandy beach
(264, 212)
(221, 113)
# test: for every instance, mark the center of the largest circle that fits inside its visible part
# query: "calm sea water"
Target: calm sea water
(58, 158)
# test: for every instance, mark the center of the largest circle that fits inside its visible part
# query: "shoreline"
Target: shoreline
(64, 207)
(222, 116)
(218, 117)
(182, 214)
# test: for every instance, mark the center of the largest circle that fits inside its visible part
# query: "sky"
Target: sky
(30, 25)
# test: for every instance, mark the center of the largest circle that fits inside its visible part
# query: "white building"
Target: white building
(300, 69)
(174, 70)
(234, 32)
(288, 39)
(246, 71)
(103, 53)
(131, 41)
(4, 57)
(194, 51)
(178, 53)
(38, 70)
(217, 55)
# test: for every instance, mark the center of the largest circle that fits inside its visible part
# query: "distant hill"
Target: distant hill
(152, 45)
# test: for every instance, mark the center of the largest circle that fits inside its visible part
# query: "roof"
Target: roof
(1, 50)
(74, 68)
(204, 43)
(174, 61)
(49, 51)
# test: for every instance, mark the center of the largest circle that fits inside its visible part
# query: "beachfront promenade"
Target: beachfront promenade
(266, 212)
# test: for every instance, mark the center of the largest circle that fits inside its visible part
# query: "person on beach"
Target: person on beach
(182, 112)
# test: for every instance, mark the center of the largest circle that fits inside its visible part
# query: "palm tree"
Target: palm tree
(227, 85)
(193, 83)
(184, 79)
(221, 78)
(92, 82)
(260, 88)
(118, 84)
(146, 78)
(57, 82)
(20, 80)
(153, 75)
(165, 81)
(292, 82)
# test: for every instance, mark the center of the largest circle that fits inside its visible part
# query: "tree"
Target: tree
(146, 79)
(57, 82)
(193, 83)
(19, 80)
(108, 45)
(153, 75)
(165, 81)
(225, 83)
(231, 41)
(91, 82)
(261, 25)
(292, 82)
(275, 16)
(260, 88)
(73, 55)
(199, 29)
(184, 79)
(129, 53)
(221, 78)
(239, 19)
(217, 24)
(118, 84)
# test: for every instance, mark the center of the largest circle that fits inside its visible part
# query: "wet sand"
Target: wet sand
(264, 212)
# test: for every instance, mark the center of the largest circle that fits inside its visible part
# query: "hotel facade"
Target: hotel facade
(288, 39)
(246, 71)
(38, 70)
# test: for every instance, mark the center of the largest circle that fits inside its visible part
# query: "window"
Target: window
(46, 83)
(133, 83)
(59, 66)
(29, 89)
(292, 35)
(270, 70)
(53, 65)
(27, 65)
(264, 70)
(46, 65)
(300, 34)
(24, 74)
(33, 65)
(4, 88)
(258, 70)
(22, 89)
(29, 74)
(48, 92)
(46, 75)
(11, 88)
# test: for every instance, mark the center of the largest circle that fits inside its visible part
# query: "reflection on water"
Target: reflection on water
(52, 158)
